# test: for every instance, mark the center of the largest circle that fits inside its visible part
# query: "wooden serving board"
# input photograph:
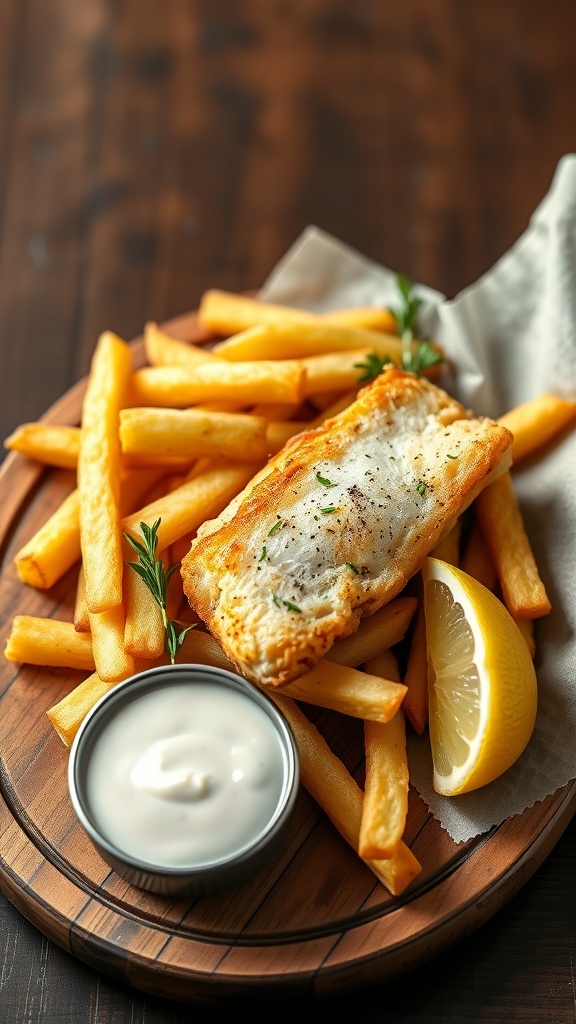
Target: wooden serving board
(316, 924)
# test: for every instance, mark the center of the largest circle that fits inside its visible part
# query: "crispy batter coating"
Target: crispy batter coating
(337, 523)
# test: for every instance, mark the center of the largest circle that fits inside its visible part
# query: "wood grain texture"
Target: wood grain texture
(149, 151)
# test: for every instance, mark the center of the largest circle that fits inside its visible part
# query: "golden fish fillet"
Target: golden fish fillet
(337, 523)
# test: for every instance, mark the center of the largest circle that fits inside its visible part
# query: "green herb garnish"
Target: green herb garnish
(424, 357)
(157, 577)
(421, 487)
(276, 527)
(324, 481)
(287, 604)
(405, 316)
(354, 568)
(448, 456)
(372, 367)
(328, 510)
(263, 555)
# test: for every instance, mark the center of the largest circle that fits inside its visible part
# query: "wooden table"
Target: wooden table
(149, 151)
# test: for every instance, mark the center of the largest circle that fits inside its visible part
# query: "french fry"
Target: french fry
(370, 318)
(147, 460)
(193, 432)
(334, 372)
(226, 313)
(276, 410)
(297, 341)
(327, 685)
(222, 405)
(416, 675)
(503, 527)
(330, 784)
(99, 473)
(183, 510)
(47, 443)
(67, 716)
(81, 613)
(203, 649)
(334, 408)
(59, 446)
(366, 695)
(162, 350)
(177, 602)
(376, 633)
(136, 485)
(324, 400)
(477, 558)
(526, 627)
(278, 433)
(448, 548)
(536, 422)
(40, 641)
(175, 387)
(111, 661)
(144, 633)
(54, 548)
(477, 561)
(385, 806)
(179, 548)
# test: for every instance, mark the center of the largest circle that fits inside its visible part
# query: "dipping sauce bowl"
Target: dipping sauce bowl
(185, 778)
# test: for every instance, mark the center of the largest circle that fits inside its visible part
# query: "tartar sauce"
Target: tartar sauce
(185, 775)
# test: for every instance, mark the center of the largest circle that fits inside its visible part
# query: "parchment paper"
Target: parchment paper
(510, 336)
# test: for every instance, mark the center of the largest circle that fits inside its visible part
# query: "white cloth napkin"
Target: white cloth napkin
(510, 336)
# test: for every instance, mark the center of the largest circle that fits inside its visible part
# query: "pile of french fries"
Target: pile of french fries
(176, 441)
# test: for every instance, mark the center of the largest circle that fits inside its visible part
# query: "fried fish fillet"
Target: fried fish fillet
(337, 523)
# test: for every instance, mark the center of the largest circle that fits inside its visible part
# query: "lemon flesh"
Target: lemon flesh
(482, 684)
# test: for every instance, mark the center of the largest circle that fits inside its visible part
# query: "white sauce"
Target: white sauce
(184, 775)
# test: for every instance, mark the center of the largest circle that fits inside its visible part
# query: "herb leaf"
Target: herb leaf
(324, 481)
(276, 527)
(287, 604)
(424, 357)
(421, 487)
(156, 577)
(354, 568)
(405, 316)
(372, 367)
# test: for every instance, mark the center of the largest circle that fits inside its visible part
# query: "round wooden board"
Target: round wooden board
(316, 924)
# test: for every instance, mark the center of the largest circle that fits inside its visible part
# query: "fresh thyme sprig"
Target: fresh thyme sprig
(405, 316)
(157, 577)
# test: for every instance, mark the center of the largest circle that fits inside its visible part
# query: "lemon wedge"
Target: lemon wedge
(482, 683)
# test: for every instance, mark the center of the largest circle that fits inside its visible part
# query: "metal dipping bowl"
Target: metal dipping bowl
(195, 879)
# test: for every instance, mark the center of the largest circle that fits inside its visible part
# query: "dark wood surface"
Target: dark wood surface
(148, 151)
